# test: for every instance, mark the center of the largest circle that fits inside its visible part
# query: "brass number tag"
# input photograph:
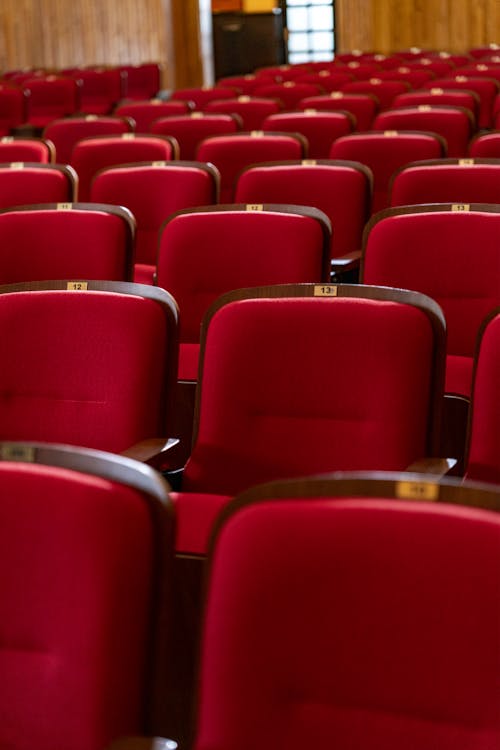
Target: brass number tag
(465, 162)
(7, 139)
(12, 452)
(77, 286)
(308, 162)
(64, 206)
(128, 136)
(254, 207)
(325, 291)
(417, 491)
(460, 207)
(17, 165)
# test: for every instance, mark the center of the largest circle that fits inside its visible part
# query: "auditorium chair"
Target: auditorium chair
(89, 363)
(288, 92)
(143, 81)
(439, 97)
(242, 84)
(485, 145)
(144, 112)
(65, 133)
(66, 241)
(251, 109)
(455, 124)
(481, 69)
(440, 66)
(101, 89)
(30, 182)
(341, 189)
(232, 153)
(415, 76)
(385, 91)
(199, 96)
(330, 79)
(49, 98)
(384, 152)
(91, 154)
(19, 148)
(189, 130)
(85, 578)
(152, 191)
(483, 438)
(485, 88)
(319, 128)
(12, 108)
(363, 107)
(447, 181)
(362, 70)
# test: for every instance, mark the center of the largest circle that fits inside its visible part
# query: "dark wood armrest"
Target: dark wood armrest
(347, 262)
(143, 743)
(433, 466)
(153, 451)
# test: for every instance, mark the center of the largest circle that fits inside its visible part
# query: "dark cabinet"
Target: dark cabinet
(245, 41)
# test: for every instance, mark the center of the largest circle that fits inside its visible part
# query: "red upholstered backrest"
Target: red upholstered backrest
(341, 191)
(24, 149)
(319, 128)
(144, 113)
(251, 109)
(439, 96)
(289, 92)
(383, 153)
(362, 106)
(66, 132)
(202, 255)
(351, 623)
(85, 368)
(12, 108)
(152, 193)
(190, 130)
(483, 461)
(486, 90)
(449, 182)
(432, 252)
(76, 562)
(94, 153)
(231, 154)
(51, 97)
(64, 244)
(294, 386)
(385, 91)
(486, 145)
(28, 183)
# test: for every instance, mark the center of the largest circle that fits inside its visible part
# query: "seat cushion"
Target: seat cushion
(458, 375)
(196, 513)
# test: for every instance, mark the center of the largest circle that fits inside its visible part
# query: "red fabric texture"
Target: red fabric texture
(144, 113)
(341, 624)
(384, 154)
(320, 128)
(486, 90)
(385, 91)
(289, 92)
(300, 386)
(483, 461)
(24, 150)
(363, 106)
(439, 96)
(252, 110)
(453, 124)
(486, 145)
(190, 131)
(85, 368)
(433, 253)
(92, 154)
(75, 573)
(447, 183)
(231, 154)
(152, 193)
(65, 133)
(202, 255)
(49, 98)
(195, 515)
(20, 187)
(51, 244)
(342, 192)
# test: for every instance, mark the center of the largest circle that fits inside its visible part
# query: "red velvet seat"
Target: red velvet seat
(251, 109)
(232, 153)
(485, 88)
(486, 145)
(12, 108)
(455, 124)
(340, 614)
(319, 128)
(153, 191)
(415, 76)
(189, 130)
(341, 189)
(447, 181)
(483, 444)
(289, 92)
(65, 133)
(243, 84)
(89, 363)
(363, 107)
(200, 96)
(330, 79)
(85, 561)
(386, 151)
(304, 379)
(143, 113)
(385, 91)
(439, 97)
(26, 149)
(433, 250)
(98, 152)
(101, 89)
(51, 97)
(143, 81)
(22, 183)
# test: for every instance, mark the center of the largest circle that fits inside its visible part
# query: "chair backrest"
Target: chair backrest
(251, 109)
(485, 88)
(447, 181)
(89, 363)
(31, 149)
(341, 614)
(143, 81)
(341, 189)
(385, 91)
(329, 79)
(66, 241)
(199, 96)
(89, 155)
(190, 129)
(206, 252)
(319, 128)
(439, 96)
(85, 570)
(143, 113)
(432, 249)
(485, 145)
(289, 92)
(309, 378)
(12, 108)
(483, 440)
(455, 124)
(232, 153)
(101, 89)
(29, 182)
(51, 97)
(152, 191)
(416, 77)
(363, 107)
(384, 152)
(64, 133)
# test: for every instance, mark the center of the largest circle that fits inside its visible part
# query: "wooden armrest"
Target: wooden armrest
(432, 466)
(346, 262)
(143, 743)
(153, 451)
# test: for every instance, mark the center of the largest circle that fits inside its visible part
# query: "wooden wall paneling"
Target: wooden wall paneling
(354, 20)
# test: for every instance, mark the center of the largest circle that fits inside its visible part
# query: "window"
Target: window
(310, 28)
